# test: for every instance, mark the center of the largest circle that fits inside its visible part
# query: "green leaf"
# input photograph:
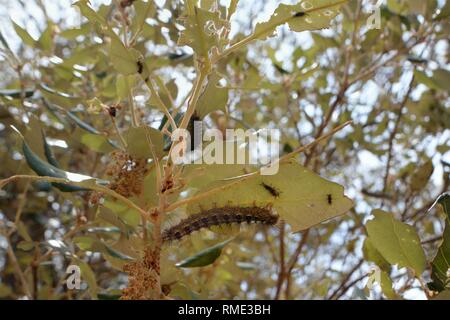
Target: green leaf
(45, 41)
(49, 155)
(204, 257)
(89, 276)
(23, 231)
(421, 175)
(396, 241)
(59, 98)
(16, 93)
(88, 243)
(438, 81)
(81, 123)
(43, 168)
(113, 295)
(138, 142)
(122, 58)
(372, 254)
(24, 35)
(25, 245)
(143, 11)
(440, 266)
(213, 98)
(123, 85)
(305, 15)
(304, 198)
(442, 78)
(89, 13)
(97, 143)
(385, 282)
(5, 291)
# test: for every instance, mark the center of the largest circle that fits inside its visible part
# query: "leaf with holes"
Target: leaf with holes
(305, 15)
(202, 29)
(298, 195)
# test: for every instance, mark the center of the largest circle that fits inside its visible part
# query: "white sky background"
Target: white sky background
(62, 10)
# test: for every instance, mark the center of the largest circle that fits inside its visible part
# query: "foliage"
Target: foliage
(88, 115)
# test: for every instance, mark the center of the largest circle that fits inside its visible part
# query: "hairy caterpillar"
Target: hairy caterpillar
(219, 216)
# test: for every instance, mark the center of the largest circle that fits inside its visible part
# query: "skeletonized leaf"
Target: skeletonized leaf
(305, 15)
(202, 29)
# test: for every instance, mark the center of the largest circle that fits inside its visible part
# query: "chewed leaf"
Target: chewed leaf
(202, 29)
(305, 15)
(298, 195)
(213, 98)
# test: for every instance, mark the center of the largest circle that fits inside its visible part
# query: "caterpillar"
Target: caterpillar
(219, 216)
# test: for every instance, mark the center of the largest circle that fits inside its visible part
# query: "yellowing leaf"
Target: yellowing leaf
(396, 241)
(299, 196)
